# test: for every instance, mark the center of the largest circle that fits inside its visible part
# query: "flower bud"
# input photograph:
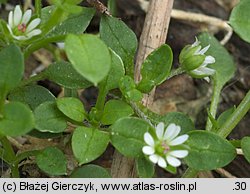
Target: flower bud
(194, 61)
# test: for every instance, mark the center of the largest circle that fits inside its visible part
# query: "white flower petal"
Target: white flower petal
(206, 70)
(197, 72)
(171, 132)
(179, 153)
(154, 158)
(160, 130)
(209, 60)
(196, 43)
(26, 16)
(179, 140)
(197, 52)
(202, 51)
(148, 150)
(162, 163)
(207, 79)
(173, 161)
(9, 28)
(34, 33)
(33, 24)
(17, 15)
(10, 20)
(20, 37)
(149, 139)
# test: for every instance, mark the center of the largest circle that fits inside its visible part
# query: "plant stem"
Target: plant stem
(41, 43)
(9, 156)
(190, 173)
(236, 117)
(32, 79)
(9, 153)
(38, 7)
(101, 98)
(176, 72)
(214, 104)
(26, 154)
(2, 101)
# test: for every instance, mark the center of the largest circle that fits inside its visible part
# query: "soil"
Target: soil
(181, 93)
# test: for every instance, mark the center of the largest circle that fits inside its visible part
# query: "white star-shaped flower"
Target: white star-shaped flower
(21, 26)
(162, 150)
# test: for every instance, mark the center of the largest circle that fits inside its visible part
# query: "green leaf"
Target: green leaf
(245, 145)
(32, 95)
(156, 68)
(90, 171)
(127, 136)
(88, 144)
(224, 64)
(12, 68)
(114, 110)
(17, 119)
(144, 168)
(74, 24)
(65, 75)
(120, 38)
(89, 56)
(116, 72)
(128, 89)
(49, 119)
(52, 161)
(225, 116)
(72, 108)
(239, 19)
(177, 118)
(208, 151)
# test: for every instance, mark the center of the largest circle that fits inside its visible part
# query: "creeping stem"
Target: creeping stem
(214, 104)
(236, 117)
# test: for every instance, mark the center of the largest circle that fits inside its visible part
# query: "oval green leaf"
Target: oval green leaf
(88, 144)
(49, 119)
(90, 171)
(116, 72)
(89, 56)
(208, 151)
(52, 161)
(120, 38)
(127, 136)
(32, 95)
(64, 74)
(12, 68)
(156, 68)
(114, 110)
(245, 145)
(74, 24)
(17, 119)
(239, 19)
(72, 108)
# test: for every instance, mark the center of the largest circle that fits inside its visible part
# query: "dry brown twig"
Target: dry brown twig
(225, 173)
(210, 21)
(153, 35)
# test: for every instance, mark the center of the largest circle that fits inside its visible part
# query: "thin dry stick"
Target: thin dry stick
(201, 18)
(198, 18)
(225, 173)
(153, 35)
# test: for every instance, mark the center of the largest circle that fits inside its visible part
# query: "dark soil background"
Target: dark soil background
(181, 93)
